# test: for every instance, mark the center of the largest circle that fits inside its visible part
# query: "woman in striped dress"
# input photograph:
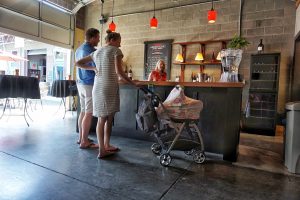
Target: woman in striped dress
(106, 99)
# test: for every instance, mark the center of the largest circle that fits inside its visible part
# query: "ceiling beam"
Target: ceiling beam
(81, 4)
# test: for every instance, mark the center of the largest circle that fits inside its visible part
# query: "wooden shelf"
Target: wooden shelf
(203, 47)
(197, 63)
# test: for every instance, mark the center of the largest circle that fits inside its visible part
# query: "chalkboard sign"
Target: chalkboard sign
(154, 51)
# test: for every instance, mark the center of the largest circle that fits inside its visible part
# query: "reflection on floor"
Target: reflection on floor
(261, 152)
(43, 161)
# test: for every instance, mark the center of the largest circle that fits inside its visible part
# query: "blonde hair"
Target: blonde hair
(157, 66)
(112, 36)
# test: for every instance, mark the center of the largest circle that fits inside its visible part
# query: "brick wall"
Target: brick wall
(271, 20)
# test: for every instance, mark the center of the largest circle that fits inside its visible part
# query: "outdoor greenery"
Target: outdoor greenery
(238, 42)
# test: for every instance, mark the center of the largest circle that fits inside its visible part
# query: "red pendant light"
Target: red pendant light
(153, 21)
(212, 14)
(112, 26)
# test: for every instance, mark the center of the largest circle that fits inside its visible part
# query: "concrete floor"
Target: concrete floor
(43, 161)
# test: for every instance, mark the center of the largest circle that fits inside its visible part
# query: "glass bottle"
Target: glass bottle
(213, 57)
(260, 47)
(126, 73)
(130, 73)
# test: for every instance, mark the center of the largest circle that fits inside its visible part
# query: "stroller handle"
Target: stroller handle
(155, 98)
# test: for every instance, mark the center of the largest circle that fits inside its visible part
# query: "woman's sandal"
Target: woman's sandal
(106, 154)
(90, 146)
(112, 149)
(90, 140)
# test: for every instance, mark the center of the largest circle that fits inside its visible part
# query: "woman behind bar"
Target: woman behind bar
(106, 99)
(158, 74)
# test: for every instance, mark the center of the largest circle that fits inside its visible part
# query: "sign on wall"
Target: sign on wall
(154, 51)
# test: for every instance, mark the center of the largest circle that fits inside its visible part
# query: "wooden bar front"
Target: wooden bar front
(219, 120)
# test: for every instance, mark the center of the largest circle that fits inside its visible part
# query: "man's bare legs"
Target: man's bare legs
(85, 129)
(81, 115)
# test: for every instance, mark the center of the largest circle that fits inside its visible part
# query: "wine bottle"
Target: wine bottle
(126, 73)
(213, 57)
(260, 47)
(194, 78)
(130, 73)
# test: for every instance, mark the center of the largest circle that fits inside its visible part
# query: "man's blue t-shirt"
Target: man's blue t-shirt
(85, 77)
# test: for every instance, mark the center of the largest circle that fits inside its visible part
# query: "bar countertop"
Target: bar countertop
(190, 84)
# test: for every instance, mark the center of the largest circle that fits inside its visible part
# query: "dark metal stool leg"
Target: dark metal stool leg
(6, 101)
(25, 111)
(64, 101)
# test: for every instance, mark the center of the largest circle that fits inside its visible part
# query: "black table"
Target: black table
(19, 87)
(63, 89)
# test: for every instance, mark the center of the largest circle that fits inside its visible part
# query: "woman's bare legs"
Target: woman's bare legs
(107, 134)
(100, 136)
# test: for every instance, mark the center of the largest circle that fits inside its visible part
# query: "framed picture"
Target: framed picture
(154, 51)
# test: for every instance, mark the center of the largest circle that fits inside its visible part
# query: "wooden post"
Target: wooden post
(183, 66)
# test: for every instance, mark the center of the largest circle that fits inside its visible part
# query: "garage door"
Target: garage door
(38, 21)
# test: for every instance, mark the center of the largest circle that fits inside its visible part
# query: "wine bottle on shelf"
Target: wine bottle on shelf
(130, 73)
(260, 47)
(213, 58)
(126, 72)
(192, 77)
(177, 78)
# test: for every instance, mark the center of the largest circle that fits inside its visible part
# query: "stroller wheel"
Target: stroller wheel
(165, 159)
(199, 157)
(156, 148)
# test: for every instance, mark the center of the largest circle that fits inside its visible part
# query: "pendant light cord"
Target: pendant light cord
(154, 8)
(101, 32)
(112, 12)
(212, 4)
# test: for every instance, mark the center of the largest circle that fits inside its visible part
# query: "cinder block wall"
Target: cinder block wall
(270, 20)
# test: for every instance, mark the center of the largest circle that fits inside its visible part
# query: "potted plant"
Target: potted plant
(238, 42)
(231, 59)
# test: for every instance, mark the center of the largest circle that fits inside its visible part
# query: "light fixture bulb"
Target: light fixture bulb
(219, 56)
(199, 57)
(179, 58)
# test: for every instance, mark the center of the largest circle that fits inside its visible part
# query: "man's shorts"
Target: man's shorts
(85, 96)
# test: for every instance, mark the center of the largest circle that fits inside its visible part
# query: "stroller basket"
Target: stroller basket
(173, 125)
(146, 116)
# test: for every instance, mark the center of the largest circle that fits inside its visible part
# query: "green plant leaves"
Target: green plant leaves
(238, 42)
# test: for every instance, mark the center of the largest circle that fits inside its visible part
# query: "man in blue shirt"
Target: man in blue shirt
(85, 81)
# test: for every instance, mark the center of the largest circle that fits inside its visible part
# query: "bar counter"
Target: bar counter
(219, 120)
(189, 84)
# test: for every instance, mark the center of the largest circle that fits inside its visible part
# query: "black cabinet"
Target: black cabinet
(261, 108)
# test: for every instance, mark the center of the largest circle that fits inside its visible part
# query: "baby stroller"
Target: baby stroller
(171, 131)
